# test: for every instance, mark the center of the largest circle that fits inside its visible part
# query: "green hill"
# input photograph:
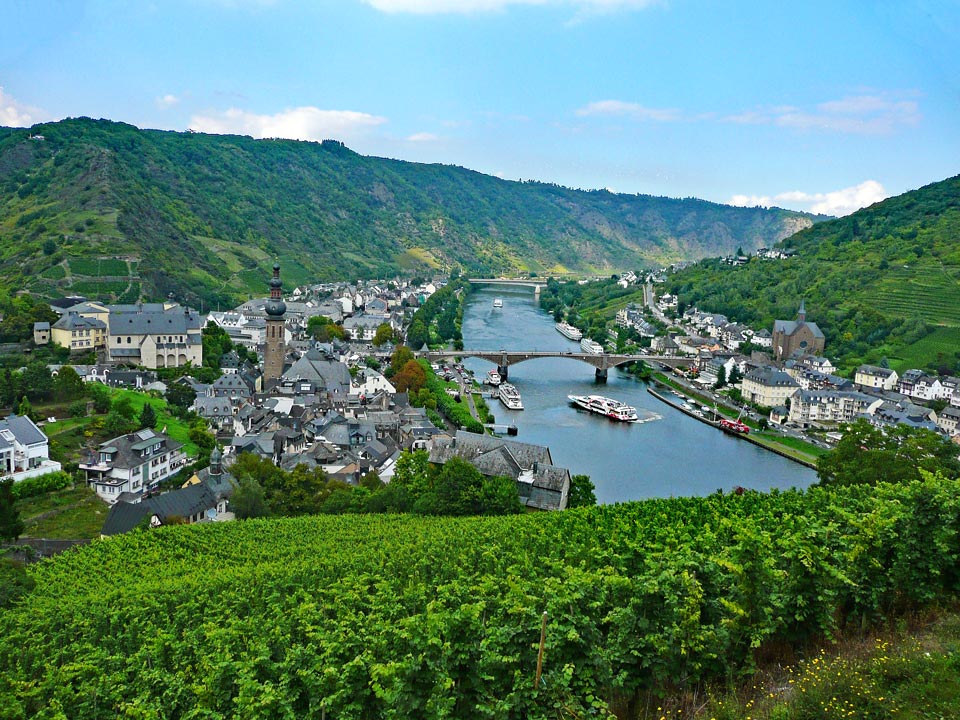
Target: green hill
(104, 209)
(404, 617)
(883, 282)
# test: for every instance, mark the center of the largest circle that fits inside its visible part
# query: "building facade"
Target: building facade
(797, 336)
(132, 464)
(275, 347)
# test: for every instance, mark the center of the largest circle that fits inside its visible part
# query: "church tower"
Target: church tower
(275, 349)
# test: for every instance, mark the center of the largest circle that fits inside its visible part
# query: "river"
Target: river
(669, 455)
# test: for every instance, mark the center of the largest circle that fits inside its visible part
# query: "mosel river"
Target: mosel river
(670, 454)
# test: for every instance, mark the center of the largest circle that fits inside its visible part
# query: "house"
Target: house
(814, 407)
(541, 484)
(78, 333)
(797, 336)
(154, 335)
(41, 333)
(664, 345)
(132, 463)
(948, 420)
(218, 411)
(902, 412)
(768, 387)
(920, 386)
(24, 449)
(877, 378)
(204, 497)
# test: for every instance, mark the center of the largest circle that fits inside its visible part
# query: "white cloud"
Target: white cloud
(302, 123)
(16, 114)
(423, 137)
(629, 109)
(838, 202)
(167, 101)
(465, 7)
(877, 114)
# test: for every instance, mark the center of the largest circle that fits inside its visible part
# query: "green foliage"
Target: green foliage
(868, 454)
(148, 416)
(581, 492)
(11, 525)
(876, 282)
(212, 212)
(67, 385)
(180, 395)
(388, 615)
(15, 583)
(41, 485)
(248, 500)
(100, 395)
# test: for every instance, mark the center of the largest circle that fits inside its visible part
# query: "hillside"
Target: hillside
(883, 282)
(105, 209)
(403, 617)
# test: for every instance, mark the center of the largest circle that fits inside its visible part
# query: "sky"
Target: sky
(824, 106)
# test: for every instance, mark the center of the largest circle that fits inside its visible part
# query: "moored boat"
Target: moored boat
(591, 346)
(568, 330)
(735, 427)
(608, 407)
(498, 302)
(493, 378)
(510, 397)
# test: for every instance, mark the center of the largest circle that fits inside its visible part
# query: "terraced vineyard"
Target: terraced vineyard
(407, 617)
(931, 293)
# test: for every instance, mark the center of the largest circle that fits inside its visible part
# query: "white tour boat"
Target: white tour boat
(510, 397)
(493, 378)
(608, 407)
(591, 346)
(568, 330)
(498, 303)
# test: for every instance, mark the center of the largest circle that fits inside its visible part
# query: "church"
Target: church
(797, 337)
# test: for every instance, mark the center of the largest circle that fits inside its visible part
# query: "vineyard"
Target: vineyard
(404, 617)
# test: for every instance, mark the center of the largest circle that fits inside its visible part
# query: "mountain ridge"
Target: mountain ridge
(203, 216)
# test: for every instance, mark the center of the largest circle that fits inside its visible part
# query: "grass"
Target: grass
(73, 514)
(907, 672)
(931, 293)
(167, 423)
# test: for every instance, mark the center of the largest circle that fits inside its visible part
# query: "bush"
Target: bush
(41, 485)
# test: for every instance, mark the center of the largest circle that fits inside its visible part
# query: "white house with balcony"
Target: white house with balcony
(24, 449)
(132, 464)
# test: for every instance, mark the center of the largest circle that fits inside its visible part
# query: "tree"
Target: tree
(401, 356)
(735, 375)
(123, 407)
(37, 381)
(721, 378)
(180, 395)
(417, 334)
(411, 378)
(67, 385)
(581, 492)
(868, 455)
(383, 335)
(148, 416)
(11, 525)
(499, 496)
(100, 396)
(25, 408)
(248, 500)
(116, 424)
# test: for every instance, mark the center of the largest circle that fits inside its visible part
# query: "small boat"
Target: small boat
(498, 303)
(591, 346)
(493, 378)
(608, 407)
(568, 330)
(735, 427)
(510, 397)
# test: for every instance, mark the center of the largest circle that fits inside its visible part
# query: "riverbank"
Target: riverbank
(788, 447)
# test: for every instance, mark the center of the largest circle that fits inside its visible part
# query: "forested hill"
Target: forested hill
(883, 282)
(105, 209)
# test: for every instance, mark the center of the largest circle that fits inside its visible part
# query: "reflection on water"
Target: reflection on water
(670, 455)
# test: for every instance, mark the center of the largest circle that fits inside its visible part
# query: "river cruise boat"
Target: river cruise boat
(498, 302)
(568, 330)
(608, 407)
(493, 378)
(510, 397)
(591, 346)
(735, 427)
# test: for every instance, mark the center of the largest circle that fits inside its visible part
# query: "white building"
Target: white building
(878, 378)
(24, 449)
(132, 464)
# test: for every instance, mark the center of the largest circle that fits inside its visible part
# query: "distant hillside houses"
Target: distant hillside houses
(151, 335)
(775, 253)
(24, 449)
(632, 317)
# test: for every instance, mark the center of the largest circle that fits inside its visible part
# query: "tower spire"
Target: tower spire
(802, 313)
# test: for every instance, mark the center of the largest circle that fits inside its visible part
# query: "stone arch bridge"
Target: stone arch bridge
(503, 359)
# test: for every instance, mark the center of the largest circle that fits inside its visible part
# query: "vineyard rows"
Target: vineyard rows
(408, 617)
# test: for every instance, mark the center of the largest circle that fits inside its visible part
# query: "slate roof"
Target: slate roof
(471, 445)
(152, 319)
(789, 327)
(128, 446)
(771, 377)
(72, 321)
(24, 429)
(328, 374)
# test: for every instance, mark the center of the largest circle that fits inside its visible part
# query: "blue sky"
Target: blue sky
(823, 106)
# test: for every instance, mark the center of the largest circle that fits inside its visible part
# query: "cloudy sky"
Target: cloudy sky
(817, 105)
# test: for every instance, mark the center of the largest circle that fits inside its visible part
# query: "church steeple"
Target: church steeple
(275, 349)
(802, 313)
